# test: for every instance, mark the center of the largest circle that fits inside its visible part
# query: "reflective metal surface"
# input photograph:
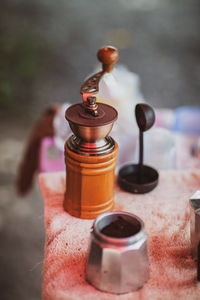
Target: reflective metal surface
(195, 223)
(91, 106)
(99, 147)
(91, 134)
(117, 265)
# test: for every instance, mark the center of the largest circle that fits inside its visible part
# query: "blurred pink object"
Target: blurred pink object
(164, 118)
(51, 158)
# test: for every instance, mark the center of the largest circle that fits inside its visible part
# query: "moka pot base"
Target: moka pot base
(89, 183)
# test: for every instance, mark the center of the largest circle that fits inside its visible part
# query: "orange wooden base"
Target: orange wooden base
(89, 183)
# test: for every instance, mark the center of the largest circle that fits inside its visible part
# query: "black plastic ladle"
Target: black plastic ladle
(140, 178)
(145, 118)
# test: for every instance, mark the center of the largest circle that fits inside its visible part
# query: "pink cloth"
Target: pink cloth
(165, 212)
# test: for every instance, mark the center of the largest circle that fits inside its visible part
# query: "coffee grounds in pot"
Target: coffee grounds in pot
(121, 228)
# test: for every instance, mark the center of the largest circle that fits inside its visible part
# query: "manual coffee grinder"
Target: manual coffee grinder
(90, 154)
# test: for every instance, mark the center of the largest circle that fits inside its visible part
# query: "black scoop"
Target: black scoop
(139, 178)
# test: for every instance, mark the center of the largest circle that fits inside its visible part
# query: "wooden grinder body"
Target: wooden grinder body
(89, 183)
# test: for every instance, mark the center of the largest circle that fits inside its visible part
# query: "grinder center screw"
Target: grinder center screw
(91, 106)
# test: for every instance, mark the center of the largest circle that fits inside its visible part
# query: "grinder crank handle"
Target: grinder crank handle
(108, 56)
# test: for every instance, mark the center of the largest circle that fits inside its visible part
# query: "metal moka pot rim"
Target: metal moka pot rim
(106, 218)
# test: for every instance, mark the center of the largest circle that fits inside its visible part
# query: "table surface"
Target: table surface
(165, 212)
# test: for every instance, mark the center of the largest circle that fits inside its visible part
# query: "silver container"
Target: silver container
(118, 264)
(195, 223)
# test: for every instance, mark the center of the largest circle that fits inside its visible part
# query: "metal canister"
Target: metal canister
(195, 223)
(118, 258)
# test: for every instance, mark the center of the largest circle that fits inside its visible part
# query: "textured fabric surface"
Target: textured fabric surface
(165, 212)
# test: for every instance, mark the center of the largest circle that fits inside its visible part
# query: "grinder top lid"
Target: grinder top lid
(91, 114)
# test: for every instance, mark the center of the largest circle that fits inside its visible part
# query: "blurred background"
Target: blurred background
(46, 49)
